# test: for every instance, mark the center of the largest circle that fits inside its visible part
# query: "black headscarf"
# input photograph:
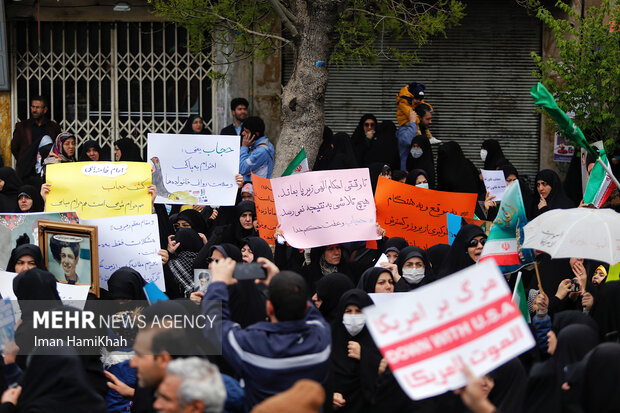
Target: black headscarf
(325, 150)
(436, 255)
(88, 145)
(8, 193)
(34, 284)
(353, 378)
(37, 201)
(495, 155)
(187, 128)
(130, 152)
(458, 258)
(126, 283)
(556, 199)
(259, 247)
(189, 239)
(407, 253)
(25, 249)
(567, 318)
(314, 272)
(424, 162)
(194, 219)
(329, 289)
(412, 176)
(606, 309)
(58, 383)
(601, 378)
(341, 156)
(369, 278)
(509, 389)
(397, 243)
(382, 147)
(456, 173)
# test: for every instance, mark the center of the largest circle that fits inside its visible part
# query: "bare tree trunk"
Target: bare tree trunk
(303, 97)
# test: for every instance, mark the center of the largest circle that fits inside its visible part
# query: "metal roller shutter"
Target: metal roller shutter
(477, 79)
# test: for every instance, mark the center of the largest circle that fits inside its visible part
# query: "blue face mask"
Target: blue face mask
(423, 185)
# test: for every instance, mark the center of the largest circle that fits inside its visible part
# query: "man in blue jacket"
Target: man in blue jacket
(272, 355)
(256, 154)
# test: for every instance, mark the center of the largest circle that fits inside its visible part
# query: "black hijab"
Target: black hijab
(413, 174)
(34, 284)
(189, 239)
(455, 173)
(88, 145)
(8, 193)
(556, 199)
(58, 383)
(508, 391)
(601, 378)
(436, 255)
(424, 162)
(495, 155)
(567, 318)
(339, 154)
(187, 128)
(606, 309)
(405, 254)
(32, 193)
(259, 247)
(25, 249)
(395, 244)
(382, 148)
(353, 378)
(126, 283)
(194, 219)
(329, 290)
(325, 150)
(458, 258)
(369, 278)
(130, 152)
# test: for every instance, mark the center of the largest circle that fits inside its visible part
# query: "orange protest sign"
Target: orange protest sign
(418, 214)
(265, 208)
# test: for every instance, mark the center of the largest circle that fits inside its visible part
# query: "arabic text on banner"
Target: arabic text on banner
(467, 319)
(131, 241)
(265, 208)
(99, 189)
(325, 207)
(418, 214)
(194, 169)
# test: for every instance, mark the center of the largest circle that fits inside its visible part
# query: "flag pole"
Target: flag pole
(538, 277)
(608, 170)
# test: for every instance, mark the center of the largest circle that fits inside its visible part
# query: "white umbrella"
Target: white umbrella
(578, 232)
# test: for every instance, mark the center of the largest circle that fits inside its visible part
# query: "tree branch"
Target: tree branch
(281, 12)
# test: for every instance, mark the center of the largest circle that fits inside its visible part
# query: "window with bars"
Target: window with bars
(107, 81)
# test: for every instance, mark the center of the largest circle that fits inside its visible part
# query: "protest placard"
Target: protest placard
(265, 208)
(13, 226)
(495, 182)
(73, 295)
(99, 189)
(131, 241)
(325, 207)
(418, 214)
(467, 319)
(194, 169)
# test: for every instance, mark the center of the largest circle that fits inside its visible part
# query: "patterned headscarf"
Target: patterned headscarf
(59, 151)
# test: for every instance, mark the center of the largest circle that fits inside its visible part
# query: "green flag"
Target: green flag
(520, 299)
(297, 165)
(543, 98)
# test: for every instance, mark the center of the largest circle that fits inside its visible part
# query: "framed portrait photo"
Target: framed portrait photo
(202, 279)
(70, 253)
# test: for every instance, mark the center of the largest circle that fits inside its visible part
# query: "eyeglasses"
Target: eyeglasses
(474, 242)
(369, 124)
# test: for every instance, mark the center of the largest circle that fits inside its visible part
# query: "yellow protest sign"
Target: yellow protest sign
(99, 189)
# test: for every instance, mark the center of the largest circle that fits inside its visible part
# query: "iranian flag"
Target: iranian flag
(297, 165)
(520, 298)
(600, 185)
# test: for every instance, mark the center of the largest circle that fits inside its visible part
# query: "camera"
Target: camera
(574, 285)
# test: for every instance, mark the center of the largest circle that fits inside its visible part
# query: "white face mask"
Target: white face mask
(483, 154)
(416, 153)
(354, 323)
(422, 185)
(413, 275)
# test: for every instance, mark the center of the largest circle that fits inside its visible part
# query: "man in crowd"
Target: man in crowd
(27, 138)
(239, 110)
(191, 385)
(256, 153)
(406, 133)
(272, 356)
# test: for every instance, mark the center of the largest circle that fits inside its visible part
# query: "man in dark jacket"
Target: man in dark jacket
(239, 110)
(272, 356)
(28, 135)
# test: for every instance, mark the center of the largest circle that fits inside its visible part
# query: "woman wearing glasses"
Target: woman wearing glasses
(465, 250)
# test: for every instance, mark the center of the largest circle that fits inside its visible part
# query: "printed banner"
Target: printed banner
(467, 319)
(99, 189)
(129, 242)
(418, 214)
(194, 169)
(325, 207)
(265, 208)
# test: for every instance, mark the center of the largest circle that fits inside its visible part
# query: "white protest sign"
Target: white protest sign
(429, 334)
(383, 258)
(73, 295)
(129, 241)
(495, 182)
(383, 298)
(194, 169)
(325, 207)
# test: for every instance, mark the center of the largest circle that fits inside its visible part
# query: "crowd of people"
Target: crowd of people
(295, 338)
